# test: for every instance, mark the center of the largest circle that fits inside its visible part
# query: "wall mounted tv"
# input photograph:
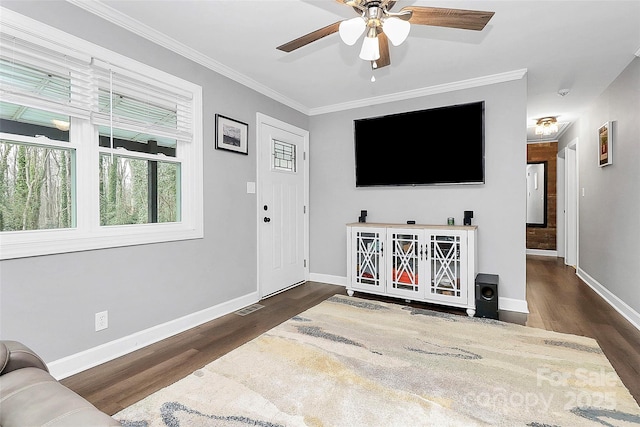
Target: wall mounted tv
(428, 147)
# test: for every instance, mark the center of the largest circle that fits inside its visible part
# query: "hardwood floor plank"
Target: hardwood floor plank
(568, 305)
(558, 301)
(127, 391)
(128, 379)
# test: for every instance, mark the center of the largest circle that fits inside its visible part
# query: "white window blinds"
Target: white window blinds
(52, 78)
(132, 102)
(40, 77)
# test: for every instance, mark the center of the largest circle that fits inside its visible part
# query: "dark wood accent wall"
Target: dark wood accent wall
(537, 237)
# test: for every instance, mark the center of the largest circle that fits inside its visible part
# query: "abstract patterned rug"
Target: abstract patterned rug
(355, 362)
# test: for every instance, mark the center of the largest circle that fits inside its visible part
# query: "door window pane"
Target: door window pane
(284, 156)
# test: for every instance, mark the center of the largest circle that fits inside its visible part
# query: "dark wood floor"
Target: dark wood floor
(119, 383)
(558, 301)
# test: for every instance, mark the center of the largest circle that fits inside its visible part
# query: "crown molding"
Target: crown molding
(426, 91)
(108, 13)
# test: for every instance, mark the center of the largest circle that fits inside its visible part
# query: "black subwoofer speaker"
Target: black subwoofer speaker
(487, 295)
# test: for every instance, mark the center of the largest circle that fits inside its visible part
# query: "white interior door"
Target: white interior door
(282, 205)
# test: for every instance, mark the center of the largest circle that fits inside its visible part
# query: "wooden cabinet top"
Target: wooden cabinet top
(388, 225)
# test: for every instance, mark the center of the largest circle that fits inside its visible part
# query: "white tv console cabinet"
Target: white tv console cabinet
(430, 263)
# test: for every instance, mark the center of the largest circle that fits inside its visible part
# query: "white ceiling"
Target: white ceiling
(577, 45)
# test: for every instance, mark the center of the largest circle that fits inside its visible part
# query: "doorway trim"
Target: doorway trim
(572, 204)
(560, 203)
(265, 119)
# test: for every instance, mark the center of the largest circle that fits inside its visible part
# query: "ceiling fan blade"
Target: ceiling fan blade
(355, 4)
(311, 37)
(383, 43)
(454, 18)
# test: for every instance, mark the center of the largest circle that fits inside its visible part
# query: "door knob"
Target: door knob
(267, 219)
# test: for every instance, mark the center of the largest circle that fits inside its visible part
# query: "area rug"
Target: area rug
(356, 362)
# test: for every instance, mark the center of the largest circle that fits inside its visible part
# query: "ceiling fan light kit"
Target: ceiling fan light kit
(351, 30)
(383, 26)
(396, 30)
(370, 47)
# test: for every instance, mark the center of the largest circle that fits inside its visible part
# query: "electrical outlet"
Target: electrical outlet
(102, 320)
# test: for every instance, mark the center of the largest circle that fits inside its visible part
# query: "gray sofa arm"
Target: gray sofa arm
(15, 355)
(30, 396)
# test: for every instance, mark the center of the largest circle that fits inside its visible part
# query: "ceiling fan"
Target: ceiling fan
(382, 26)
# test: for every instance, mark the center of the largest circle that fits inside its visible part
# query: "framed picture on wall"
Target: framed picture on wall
(605, 142)
(231, 135)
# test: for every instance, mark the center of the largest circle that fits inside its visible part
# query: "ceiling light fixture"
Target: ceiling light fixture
(376, 19)
(546, 126)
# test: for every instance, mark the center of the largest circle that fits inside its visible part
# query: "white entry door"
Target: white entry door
(282, 205)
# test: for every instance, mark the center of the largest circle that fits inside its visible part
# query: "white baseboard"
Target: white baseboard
(511, 304)
(508, 304)
(70, 365)
(84, 360)
(542, 252)
(327, 278)
(620, 306)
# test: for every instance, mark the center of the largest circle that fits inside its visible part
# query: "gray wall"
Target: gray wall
(498, 205)
(49, 302)
(609, 212)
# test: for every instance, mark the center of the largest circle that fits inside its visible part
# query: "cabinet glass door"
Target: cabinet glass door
(447, 278)
(404, 253)
(368, 269)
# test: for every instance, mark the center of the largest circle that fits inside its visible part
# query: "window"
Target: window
(96, 150)
(284, 156)
(36, 170)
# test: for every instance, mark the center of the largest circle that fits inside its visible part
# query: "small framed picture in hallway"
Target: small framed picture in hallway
(605, 141)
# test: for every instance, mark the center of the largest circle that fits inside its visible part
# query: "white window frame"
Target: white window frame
(88, 234)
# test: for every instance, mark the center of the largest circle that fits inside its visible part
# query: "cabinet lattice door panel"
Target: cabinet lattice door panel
(404, 250)
(447, 268)
(430, 263)
(368, 267)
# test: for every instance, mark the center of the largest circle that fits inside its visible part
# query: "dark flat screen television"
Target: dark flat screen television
(428, 147)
